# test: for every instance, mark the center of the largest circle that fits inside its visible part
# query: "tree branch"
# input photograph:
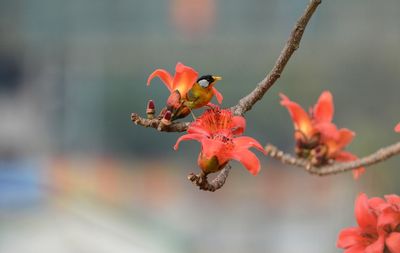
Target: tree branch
(246, 103)
(335, 168)
(202, 182)
(159, 125)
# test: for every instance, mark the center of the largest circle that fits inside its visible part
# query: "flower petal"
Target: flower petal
(345, 137)
(245, 142)
(328, 131)
(248, 159)
(393, 199)
(217, 95)
(397, 128)
(389, 217)
(349, 237)
(364, 216)
(300, 118)
(393, 242)
(345, 156)
(196, 129)
(238, 125)
(213, 147)
(324, 108)
(197, 137)
(377, 246)
(376, 203)
(184, 78)
(164, 76)
(356, 249)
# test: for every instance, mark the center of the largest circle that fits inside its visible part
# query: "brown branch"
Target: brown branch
(158, 124)
(201, 180)
(379, 156)
(246, 103)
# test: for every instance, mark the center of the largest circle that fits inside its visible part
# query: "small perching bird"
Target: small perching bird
(187, 91)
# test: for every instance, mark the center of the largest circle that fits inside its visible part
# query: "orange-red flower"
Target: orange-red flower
(378, 228)
(397, 128)
(317, 138)
(180, 84)
(218, 130)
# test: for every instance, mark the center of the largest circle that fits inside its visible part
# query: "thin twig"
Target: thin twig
(246, 103)
(157, 124)
(379, 156)
(201, 180)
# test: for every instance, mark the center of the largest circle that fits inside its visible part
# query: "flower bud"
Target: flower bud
(166, 120)
(150, 110)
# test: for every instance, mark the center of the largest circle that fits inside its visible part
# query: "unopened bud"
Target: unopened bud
(166, 120)
(150, 110)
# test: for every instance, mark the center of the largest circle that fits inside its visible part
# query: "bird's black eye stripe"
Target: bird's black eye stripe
(209, 78)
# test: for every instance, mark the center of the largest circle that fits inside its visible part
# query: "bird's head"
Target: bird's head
(208, 81)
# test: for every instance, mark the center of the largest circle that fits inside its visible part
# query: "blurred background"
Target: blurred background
(77, 176)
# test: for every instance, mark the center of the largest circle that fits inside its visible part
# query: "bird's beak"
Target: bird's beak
(217, 78)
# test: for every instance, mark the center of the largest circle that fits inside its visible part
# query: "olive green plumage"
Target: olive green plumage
(198, 96)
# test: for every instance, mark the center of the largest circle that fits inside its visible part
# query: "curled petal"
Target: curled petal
(184, 78)
(164, 76)
(364, 216)
(300, 117)
(397, 128)
(393, 242)
(324, 108)
(344, 156)
(248, 159)
(196, 137)
(239, 125)
(245, 142)
(217, 95)
(349, 237)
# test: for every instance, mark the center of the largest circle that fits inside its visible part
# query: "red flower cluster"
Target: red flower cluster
(378, 228)
(218, 132)
(397, 128)
(317, 138)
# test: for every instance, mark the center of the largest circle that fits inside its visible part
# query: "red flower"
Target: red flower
(217, 131)
(389, 221)
(317, 138)
(183, 80)
(378, 228)
(397, 128)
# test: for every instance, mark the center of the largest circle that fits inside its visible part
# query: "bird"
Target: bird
(199, 95)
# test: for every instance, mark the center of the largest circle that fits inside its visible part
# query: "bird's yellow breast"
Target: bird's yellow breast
(199, 96)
